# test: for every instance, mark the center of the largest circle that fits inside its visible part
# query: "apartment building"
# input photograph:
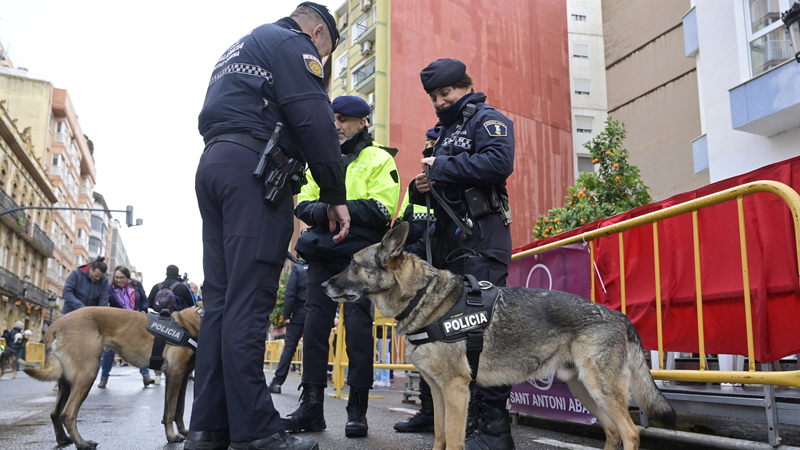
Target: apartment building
(587, 73)
(652, 89)
(521, 64)
(117, 256)
(98, 235)
(24, 244)
(747, 80)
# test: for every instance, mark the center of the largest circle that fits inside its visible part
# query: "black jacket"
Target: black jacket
(181, 291)
(294, 299)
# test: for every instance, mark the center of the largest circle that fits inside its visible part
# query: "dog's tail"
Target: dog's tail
(645, 391)
(52, 366)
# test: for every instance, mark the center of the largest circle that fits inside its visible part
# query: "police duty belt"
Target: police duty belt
(166, 331)
(467, 319)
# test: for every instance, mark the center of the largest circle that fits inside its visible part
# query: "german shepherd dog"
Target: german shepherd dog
(533, 333)
(74, 345)
(9, 359)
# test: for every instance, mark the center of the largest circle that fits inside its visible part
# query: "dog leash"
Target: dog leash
(457, 220)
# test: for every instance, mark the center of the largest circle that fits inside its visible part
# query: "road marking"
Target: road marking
(560, 444)
(404, 410)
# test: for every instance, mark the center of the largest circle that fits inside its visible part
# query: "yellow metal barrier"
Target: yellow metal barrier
(274, 350)
(792, 200)
(34, 353)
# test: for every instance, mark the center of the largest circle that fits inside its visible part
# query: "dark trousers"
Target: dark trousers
(320, 312)
(244, 244)
(294, 331)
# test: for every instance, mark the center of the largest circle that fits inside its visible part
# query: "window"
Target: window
(583, 124)
(580, 50)
(340, 67)
(585, 164)
(769, 44)
(578, 13)
(57, 160)
(97, 224)
(94, 245)
(5, 257)
(582, 87)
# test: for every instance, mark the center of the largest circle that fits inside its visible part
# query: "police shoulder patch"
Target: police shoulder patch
(496, 128)
(313, 64)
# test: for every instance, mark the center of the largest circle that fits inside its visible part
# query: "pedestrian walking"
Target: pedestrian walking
(272, 74)
(373, 190)
(171, 293)
(122, 293)
(471, 161)
(294, 313)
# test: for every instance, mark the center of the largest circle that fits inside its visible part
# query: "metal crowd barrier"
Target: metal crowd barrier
(34, 353)
(274, 350)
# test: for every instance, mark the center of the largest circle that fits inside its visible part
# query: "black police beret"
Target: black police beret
(322, 10)
(432, 134)
(351, 105)
(442, 73)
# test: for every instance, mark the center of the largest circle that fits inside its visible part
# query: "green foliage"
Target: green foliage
(614, 188)
(90, 144)
(277, 313)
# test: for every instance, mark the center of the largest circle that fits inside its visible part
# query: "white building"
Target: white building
(748, 83)
(587, 77)
(99, 235)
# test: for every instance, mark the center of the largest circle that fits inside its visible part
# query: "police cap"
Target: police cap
(350, 105)
(322, 10)
(432, 134)
(442, 73)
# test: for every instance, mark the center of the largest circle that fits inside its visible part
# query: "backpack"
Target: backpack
(166, 298)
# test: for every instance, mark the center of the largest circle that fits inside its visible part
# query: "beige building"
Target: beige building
(652, 88)
(24, 246)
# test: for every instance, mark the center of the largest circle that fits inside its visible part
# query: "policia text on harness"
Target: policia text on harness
(467, 319)
(166, 331)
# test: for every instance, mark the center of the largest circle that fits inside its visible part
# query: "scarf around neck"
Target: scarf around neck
(125, 296)
(452, 113)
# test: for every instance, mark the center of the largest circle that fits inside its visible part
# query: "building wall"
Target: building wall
(652, 88)
(28, 101)
(24, 247)
(516, 52)
(723, 61)
(593, 106)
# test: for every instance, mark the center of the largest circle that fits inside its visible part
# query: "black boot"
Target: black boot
(275, 388)
(309, 416)
(493, 430)
(207, 440)
(278, 441)
(357, 413)
(422, 421)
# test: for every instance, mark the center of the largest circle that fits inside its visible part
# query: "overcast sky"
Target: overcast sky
(137, 74)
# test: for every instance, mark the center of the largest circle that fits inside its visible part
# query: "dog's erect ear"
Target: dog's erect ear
(393, 242)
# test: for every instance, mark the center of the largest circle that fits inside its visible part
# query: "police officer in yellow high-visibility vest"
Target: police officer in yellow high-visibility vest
(373, 192)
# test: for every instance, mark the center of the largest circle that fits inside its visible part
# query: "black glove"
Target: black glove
(320, 214)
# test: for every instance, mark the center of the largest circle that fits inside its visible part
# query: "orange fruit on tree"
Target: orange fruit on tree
(617, 179)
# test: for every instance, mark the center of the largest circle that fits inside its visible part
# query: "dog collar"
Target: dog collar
(414, 302)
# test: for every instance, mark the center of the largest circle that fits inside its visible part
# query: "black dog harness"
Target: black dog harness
(467, 319)
(166, 331)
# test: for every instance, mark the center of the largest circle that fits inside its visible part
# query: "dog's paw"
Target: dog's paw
(88, 445)
(176, 438)
(64, 441)
(183, 431)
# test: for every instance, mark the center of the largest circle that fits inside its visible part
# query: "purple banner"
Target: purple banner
(549, 398)
(563, 269)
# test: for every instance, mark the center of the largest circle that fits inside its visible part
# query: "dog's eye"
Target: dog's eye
(352, 262)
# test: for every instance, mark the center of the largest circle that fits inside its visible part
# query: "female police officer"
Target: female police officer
(468, 170)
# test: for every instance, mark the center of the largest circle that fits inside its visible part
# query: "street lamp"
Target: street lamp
(51, 301)
(791, 19)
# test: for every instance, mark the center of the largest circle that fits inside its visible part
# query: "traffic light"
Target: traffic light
(129, 216)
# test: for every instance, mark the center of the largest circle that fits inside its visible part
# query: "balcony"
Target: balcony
(765, 9)
(770, 54)
(34, 295)
(10, 283)
(56, 171)
(769, 103)
(80, 242)
(62, 137)
(364, 28)
(18, 218)
(41, 241)
(51, 274)
(364, 77)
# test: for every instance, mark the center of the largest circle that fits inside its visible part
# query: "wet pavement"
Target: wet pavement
(127, 416)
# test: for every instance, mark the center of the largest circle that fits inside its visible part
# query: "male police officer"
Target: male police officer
(468, 169)
(372, 191)
(294, 311)
(272, 74)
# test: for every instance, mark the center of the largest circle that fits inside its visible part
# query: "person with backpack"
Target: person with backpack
(86, 286)
(122, 293)
(171, 293)
(14, 341)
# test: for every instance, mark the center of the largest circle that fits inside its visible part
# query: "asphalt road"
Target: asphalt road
(127, 416)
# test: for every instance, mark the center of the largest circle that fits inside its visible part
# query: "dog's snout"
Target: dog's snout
(325, 285)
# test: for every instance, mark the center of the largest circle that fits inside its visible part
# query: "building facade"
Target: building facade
(24, 244)
(587, 78)
(98, 235)
(748, 82)
(117, 256)
(652, 89)
(520, 62)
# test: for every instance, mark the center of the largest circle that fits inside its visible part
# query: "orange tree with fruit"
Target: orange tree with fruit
(614, 188)
(276, 318)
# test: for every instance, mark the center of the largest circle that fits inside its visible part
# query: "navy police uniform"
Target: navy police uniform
(294, 309)
(272, 74)
(473, 152)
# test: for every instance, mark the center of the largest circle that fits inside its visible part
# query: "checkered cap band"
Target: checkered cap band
(245, 69)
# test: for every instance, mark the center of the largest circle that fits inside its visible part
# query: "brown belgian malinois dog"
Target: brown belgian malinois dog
(74, 345)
